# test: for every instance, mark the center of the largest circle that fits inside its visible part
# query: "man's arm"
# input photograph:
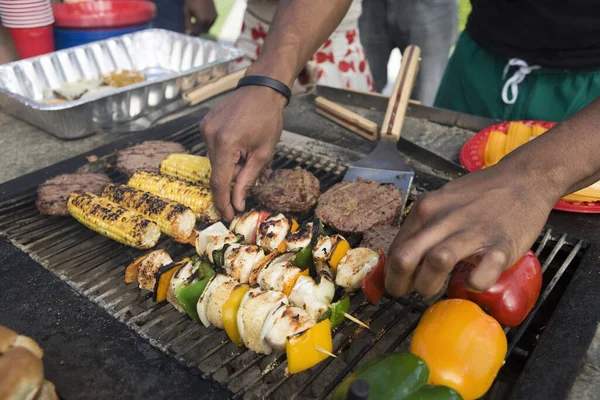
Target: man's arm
(493, 216)
(241, 131)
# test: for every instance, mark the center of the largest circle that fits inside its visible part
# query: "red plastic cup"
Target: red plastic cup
(31, 42)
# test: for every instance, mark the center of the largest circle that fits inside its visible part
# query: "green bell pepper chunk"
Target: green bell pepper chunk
(399, 376)
(304, 259)
(188, 293)
(336, 313)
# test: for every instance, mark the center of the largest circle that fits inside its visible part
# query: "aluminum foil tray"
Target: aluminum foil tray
(171, 62)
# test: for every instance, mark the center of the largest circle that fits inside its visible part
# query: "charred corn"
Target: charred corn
(518, 134)
(198, 198)
(537, 130)
(494, 148)
(112, 220)
(191, 168)
(173, 219)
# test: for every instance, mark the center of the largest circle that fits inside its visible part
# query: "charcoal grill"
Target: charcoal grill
(94, 266)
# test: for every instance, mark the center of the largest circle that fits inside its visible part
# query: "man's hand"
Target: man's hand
(240, 134)
(490, 218)
(203, 11)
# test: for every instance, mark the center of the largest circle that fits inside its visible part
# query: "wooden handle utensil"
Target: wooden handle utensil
(396, 111)
(348, 119)
(215, 88)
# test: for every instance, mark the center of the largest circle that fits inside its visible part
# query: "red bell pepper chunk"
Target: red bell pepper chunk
(513, 296)
(373, 284)
(262, 215)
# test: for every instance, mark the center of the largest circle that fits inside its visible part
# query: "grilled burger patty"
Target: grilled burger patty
(52, 195)
(379, 237)
(288, 190)
(146, 156)
(358, 206)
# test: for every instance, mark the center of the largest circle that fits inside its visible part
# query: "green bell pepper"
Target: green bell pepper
(188, 293)
(399, 376)
(304, 259)
(336, 313)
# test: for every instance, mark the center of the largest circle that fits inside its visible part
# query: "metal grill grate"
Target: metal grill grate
(94, 266)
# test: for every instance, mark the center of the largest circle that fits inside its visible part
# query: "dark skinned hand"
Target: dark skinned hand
(240, 134)
(203, 11)
(490, 218)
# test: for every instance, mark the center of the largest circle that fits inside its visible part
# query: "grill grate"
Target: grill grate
(94, 266)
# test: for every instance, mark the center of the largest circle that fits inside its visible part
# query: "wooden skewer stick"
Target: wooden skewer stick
(354, 319)
(322, 350)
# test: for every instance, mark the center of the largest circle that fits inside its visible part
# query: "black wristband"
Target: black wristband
(256, 80)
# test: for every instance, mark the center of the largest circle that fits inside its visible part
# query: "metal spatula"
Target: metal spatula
(384, 164)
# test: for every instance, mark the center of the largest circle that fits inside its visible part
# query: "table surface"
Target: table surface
(73, 331)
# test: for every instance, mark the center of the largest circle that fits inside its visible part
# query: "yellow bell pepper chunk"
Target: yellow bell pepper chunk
(229, 313)
(295, 226)
(289, 285)
(462, 345)
(301, 350)
(339, 252)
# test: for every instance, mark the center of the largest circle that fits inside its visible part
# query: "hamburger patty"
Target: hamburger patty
(288, 190)
(358, 206)
(52, 195)
(146, 156)
(379, 237)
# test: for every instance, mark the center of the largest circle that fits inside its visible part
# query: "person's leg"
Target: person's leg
(375, 40)
(554, 94)
(433, 26)
(169, 15)
(472, 82)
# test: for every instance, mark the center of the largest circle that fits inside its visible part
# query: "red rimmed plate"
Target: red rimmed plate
(472, 158)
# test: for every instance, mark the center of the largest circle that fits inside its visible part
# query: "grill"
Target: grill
(94, 266)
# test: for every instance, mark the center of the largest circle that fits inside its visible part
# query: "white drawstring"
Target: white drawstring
(513, 81)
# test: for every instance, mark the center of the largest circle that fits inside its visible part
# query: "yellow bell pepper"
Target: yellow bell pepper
(282, 247)
(340, 250)
(229, 313)
(295, 226)
(462, 345)
(289, 285)
(301, 349)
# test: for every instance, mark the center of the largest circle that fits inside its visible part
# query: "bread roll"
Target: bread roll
(7, 339)
(46, 392)
(21, 369)
(21, 374)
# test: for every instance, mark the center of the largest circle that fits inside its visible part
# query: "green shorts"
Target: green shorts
(473, 83)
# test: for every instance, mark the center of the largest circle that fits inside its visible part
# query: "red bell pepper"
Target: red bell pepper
(513, 296)
(373, 284)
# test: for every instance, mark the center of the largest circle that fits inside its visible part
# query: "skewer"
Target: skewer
(322, 350)
(354, 319)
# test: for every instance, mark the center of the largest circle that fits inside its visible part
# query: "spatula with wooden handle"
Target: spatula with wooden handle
(384, 164)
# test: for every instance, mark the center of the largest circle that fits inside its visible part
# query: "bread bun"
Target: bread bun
(21, 368)
(46, 392)
(21, 374)
(29, 344)
(7, 339)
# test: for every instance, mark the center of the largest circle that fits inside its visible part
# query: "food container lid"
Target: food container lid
(103, 14)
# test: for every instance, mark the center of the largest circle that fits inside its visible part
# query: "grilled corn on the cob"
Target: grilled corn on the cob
(494, 148)
(173, 219)
(198, 198)
(112, 220)
(518, 134)
(191, 168)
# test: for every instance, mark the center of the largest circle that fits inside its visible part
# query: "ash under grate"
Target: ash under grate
(94, 266)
